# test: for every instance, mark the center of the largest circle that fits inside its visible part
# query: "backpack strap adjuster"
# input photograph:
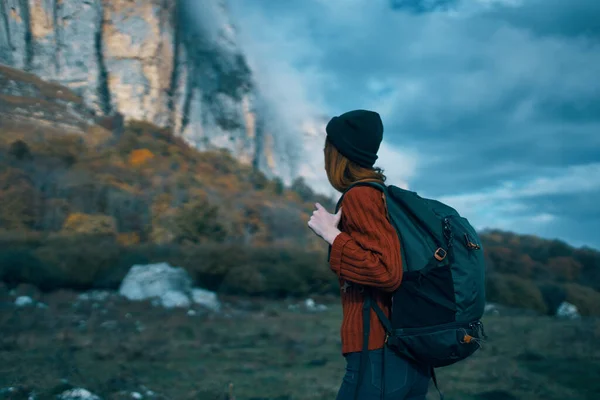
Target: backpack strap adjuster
(440, 254)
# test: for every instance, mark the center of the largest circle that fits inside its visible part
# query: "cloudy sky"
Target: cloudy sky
(492, 106)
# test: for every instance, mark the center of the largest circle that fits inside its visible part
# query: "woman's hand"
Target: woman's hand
(325, 224)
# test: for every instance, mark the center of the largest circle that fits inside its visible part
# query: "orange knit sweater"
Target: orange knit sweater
(367, 252)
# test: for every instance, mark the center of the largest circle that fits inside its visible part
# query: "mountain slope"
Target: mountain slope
(29, 103)
(151, 60)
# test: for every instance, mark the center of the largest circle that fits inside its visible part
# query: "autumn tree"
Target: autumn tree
(79, 223)
(197, 222)
(254, 227)
(17, 196)
(139, 157)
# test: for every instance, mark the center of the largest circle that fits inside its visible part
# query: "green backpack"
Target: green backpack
(436, 311)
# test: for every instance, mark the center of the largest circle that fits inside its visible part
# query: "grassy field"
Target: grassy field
(115, 347)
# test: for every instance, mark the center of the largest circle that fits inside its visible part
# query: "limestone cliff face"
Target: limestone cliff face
(148, 60)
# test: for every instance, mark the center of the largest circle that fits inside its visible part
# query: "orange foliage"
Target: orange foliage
(140, 156)
(128, 238)
(89, 224)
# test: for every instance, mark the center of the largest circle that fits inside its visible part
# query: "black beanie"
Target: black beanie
(357, 135)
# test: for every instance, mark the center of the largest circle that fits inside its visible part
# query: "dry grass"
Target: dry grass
(47, 89)
(267, 352)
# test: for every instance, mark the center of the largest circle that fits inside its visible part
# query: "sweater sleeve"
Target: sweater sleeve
(367, 251)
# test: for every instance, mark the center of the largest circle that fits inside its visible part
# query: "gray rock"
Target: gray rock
(23, 301)
(155, 280)
(310, 305)
(567, 311)
(165, 286)
(77, 394)
(174, 298)
(206, 298)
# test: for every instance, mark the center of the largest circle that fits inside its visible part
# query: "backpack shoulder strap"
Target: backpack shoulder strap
(365, 182)
(420, 213)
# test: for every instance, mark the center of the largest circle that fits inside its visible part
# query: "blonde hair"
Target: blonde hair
(342, 172)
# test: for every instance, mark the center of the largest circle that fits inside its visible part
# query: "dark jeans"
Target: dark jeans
(403, 379)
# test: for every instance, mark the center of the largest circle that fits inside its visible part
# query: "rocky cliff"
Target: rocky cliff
(173, 63)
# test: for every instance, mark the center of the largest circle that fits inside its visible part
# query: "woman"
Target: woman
(365, 251)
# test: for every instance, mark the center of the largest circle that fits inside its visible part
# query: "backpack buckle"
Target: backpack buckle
(440, 254)
(471, 245)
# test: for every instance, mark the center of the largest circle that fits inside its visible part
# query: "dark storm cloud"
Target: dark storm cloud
(475, 97)
(572, 18)
(421, 6)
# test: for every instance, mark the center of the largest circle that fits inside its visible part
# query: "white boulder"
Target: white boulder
(154, 280)
(206, 298)
(312, 306)
(175, 298)
(23, 301)
(78, 394)
(167, 286)
(567, 311)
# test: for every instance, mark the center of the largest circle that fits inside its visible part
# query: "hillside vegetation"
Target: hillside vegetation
(529, 272)
(79, 216)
